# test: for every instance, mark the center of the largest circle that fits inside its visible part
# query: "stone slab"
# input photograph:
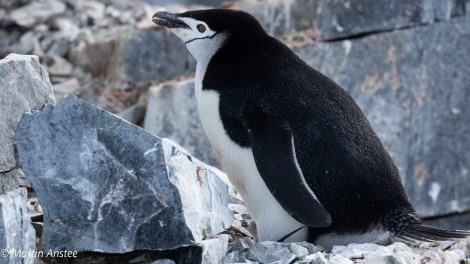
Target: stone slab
(413, 87)
(109, 186)
(337, 19)
(24, 87)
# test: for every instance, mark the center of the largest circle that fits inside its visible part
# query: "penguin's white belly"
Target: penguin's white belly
(272, 221)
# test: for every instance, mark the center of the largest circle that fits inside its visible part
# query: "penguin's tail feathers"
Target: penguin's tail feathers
(426, 233)
(408, 227)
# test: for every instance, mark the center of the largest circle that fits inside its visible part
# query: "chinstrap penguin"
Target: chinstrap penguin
(295, 145)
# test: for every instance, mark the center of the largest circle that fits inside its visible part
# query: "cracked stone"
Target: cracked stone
(25, 87)
(107, 185)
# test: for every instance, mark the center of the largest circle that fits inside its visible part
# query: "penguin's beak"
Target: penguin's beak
(168, 20)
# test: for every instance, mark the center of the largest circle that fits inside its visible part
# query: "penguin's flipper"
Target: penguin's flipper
(272, 144)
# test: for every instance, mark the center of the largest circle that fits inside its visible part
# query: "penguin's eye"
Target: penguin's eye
(201, 28)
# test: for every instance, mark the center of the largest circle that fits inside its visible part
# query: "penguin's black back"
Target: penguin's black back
(341, 157)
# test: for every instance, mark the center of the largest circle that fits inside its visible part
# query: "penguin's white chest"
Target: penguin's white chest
(272, 222)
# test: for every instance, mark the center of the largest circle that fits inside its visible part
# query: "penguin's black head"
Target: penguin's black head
(205, 31)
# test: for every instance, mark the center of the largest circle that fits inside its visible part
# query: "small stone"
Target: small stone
(316, 258)
(242, 244)
(57, 65)
(69, 30)
(58, 48)
(10, 180)
(312, 249)
(37, 12)
(138, 259)
(299, 251)
(238, 208)
(10, 4)
(214, 249)
(163, 261)
(63, 89)
(269, 252)
(7, 39)
(134, 114)
(27, 42)
(338, 259)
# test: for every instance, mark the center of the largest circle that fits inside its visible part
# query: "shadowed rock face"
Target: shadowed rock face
(107, 185)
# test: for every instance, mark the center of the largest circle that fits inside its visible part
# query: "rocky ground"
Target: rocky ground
(406, 64)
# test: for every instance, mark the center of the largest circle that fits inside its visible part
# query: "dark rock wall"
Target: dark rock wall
(413, 86)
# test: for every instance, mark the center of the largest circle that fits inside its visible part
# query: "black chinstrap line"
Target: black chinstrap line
(209, 37)
(290, 234)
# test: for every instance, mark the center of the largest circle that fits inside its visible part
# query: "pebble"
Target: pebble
(299, 251)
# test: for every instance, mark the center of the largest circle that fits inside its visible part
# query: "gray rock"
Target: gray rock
(334, 19)
(107, 185)
(401, 253)
(412, 85)
(58, 48)
(214, 249)
(36, 12)
(242, 244)
(8, 38)
(68, 32)
(299, 251)
(25, 87)
(17, 235)
(26, 44)
(456, 221)
(163, 261)
(270, 252)
(10, 180)
(312, 249)
(134, 114)
(8, 4)
(211, 250)
(58, 66)
(132, 55)
(94, 10)
(172, 112)
(63, 89)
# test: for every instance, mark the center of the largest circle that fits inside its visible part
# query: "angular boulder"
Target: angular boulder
(107, 185)
(24, 87)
